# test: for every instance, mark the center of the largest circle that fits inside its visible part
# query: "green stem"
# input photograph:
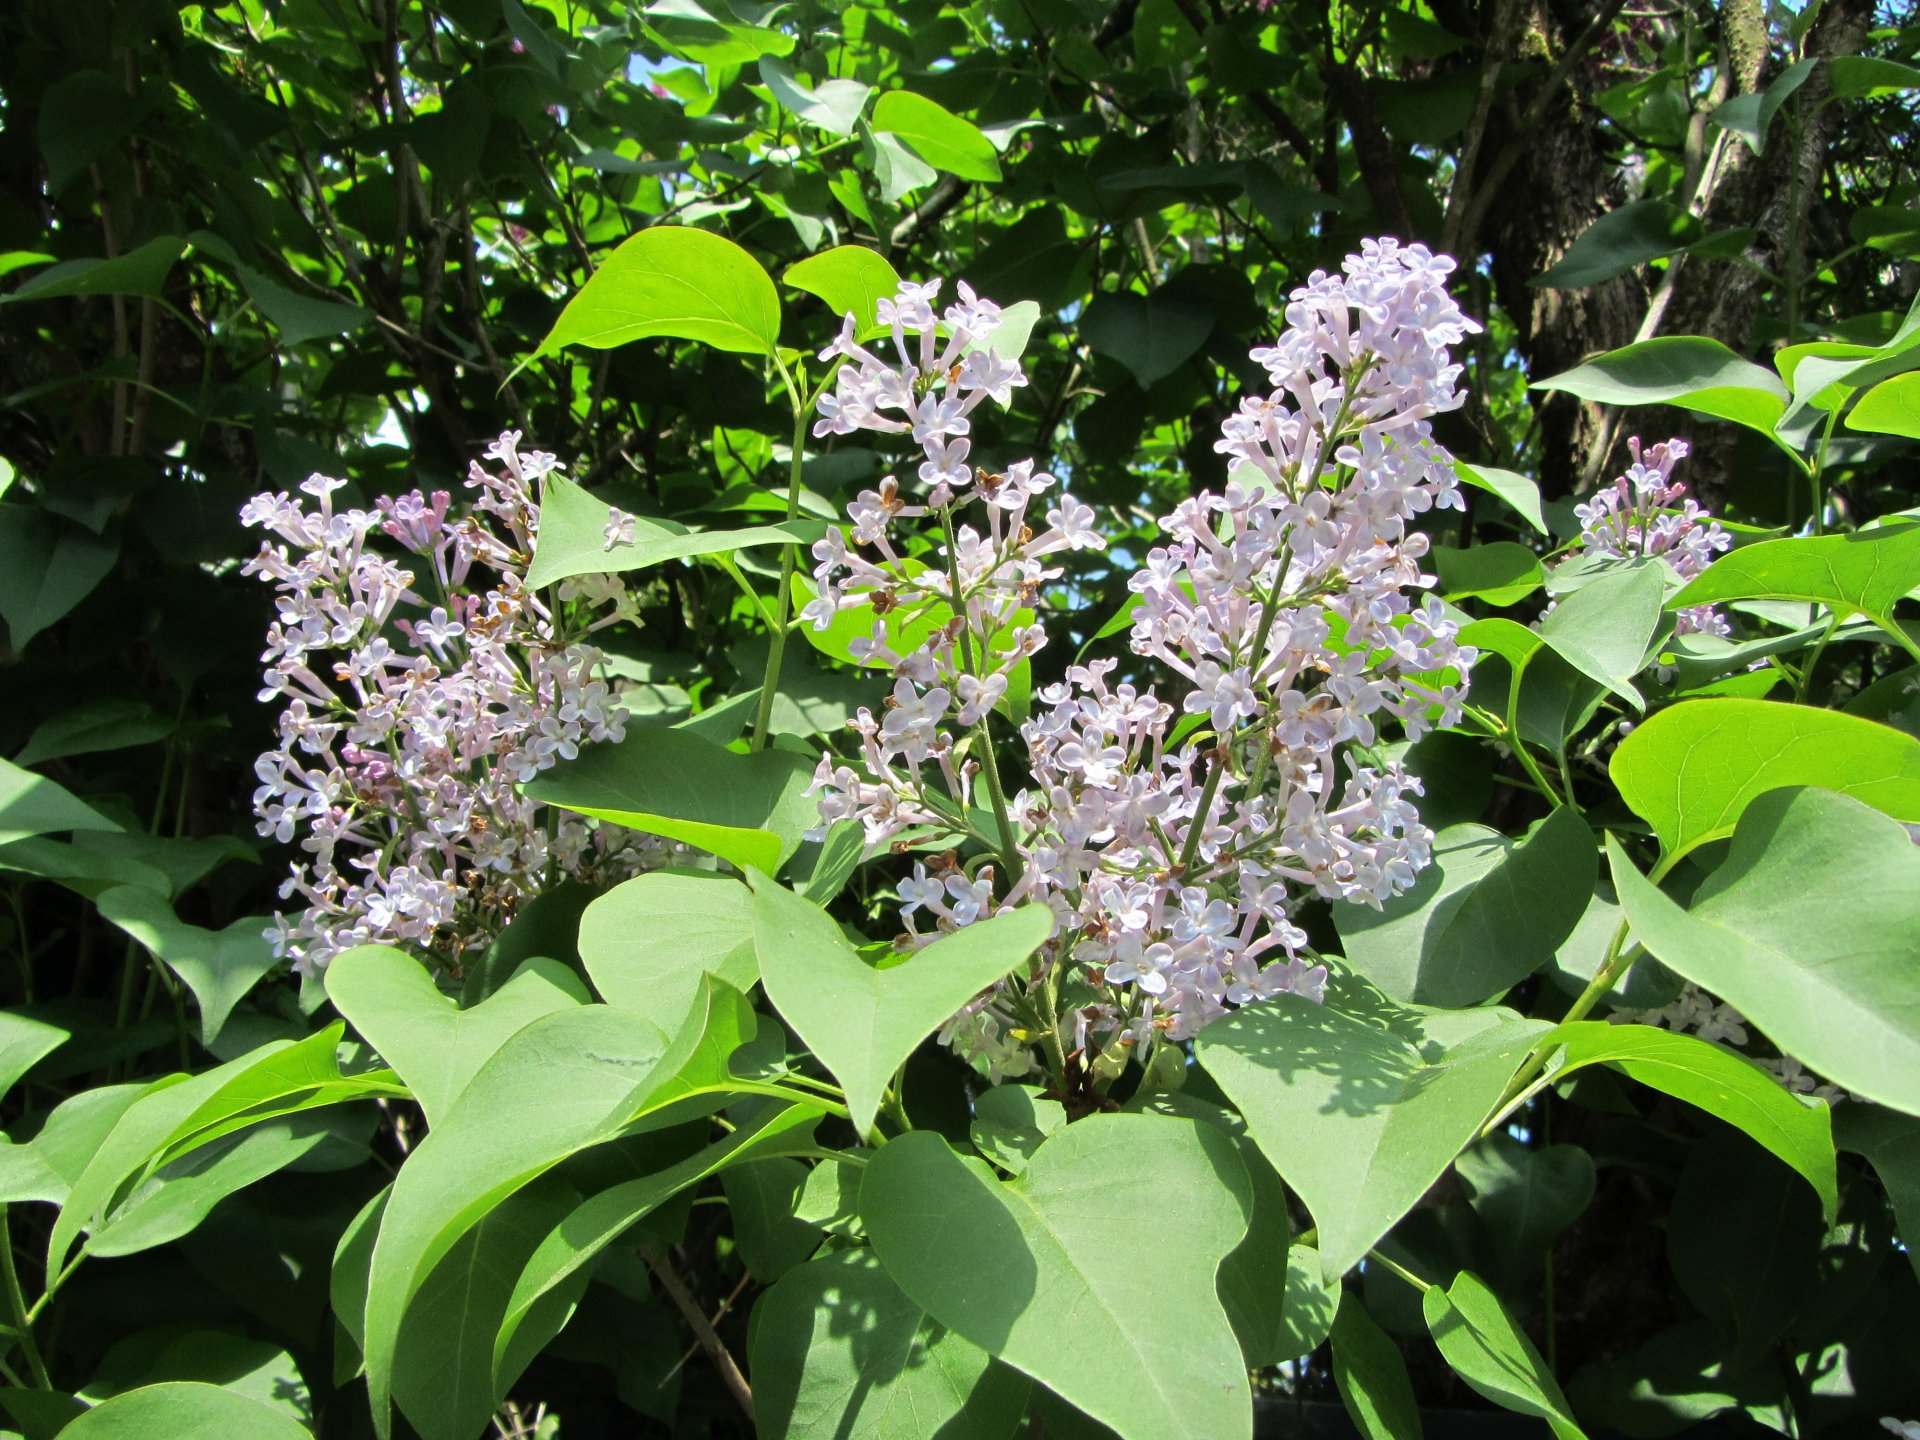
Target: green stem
(789, 561)
(894, 1107)
(1191, 849)
(17, 1305)
(1518, 745)
(732, 570)
(1805, 681)
(1041, 1012)
(989, 763)
(1405, 1274)
(1612, 967)
(1899, 635)
(26, 951)
(1817, 473)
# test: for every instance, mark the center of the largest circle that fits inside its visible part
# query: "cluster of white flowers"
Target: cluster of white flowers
(408, 720)
(1694, 1012)
(1647, 512)
(1172, 850)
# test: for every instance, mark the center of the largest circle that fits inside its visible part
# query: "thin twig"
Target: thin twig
(703, 1329)
(718, 1316)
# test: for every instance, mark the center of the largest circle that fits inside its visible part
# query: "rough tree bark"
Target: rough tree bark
(1542, 175)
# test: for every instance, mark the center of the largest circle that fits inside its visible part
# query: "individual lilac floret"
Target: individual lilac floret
(1279, 604)
(409, 720)
(1646, 512)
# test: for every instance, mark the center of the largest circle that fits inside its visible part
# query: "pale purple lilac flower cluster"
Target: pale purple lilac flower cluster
(413, 709)
(1173, 841)
(1647, 512)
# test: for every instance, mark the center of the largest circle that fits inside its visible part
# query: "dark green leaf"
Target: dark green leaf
(1525, 1198)
(1483, 916)
(1619, 241)
(1027, 1269)
(839, 1353)
(1152, 336)
(747, 809)
(218, 966)
(47, 566)
(139, 272)
(1743, 1238)
(105, 724)
(1371, 1376)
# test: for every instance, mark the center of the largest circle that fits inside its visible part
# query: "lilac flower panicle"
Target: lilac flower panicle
(414, 703)
(1647, 512)
(1279, 605)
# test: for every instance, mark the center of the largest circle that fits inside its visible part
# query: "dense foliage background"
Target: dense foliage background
(241, 243)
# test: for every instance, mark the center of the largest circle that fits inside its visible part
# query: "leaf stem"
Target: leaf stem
(1518, 745)
(17, 1305)
(1805, 680)
(1388, 1263)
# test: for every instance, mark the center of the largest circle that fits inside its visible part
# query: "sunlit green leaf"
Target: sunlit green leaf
(862, 1021)
(1493, 1355)
(1830, 985)
(937, 135)
(674, 281)
(1359, 1105)
(851, 278)
(1692, 769)
(573, 538)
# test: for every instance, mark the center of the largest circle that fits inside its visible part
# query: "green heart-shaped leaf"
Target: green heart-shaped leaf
(423, 1034)
(648, 942)
(676, 281)
(1692, 769)
(1361, 1113)
(861, 1021)
(1039, 1271)
(747, 809)
(1831, 984)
